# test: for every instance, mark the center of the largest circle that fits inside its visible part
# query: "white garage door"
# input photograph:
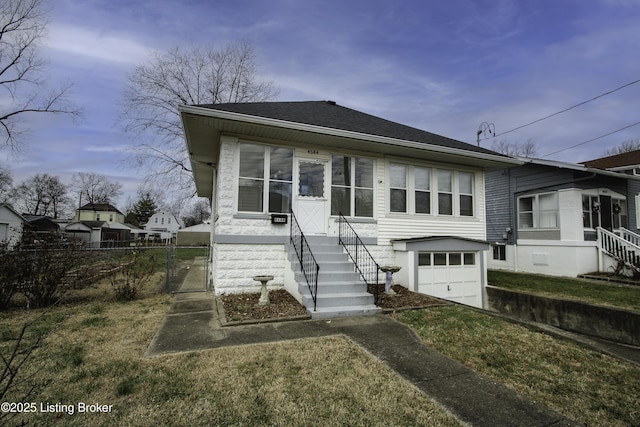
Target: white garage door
(454, 276)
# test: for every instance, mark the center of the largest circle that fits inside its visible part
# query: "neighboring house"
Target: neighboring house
(11, 225)
(397, 186)
(196, 235)
(99, 212)
(97, 234)
(42, 225)
(544, 216)
(164, 224)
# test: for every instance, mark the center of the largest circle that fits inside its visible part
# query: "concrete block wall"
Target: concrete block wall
(238, 264)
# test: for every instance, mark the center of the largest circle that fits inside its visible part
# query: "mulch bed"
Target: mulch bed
(244, 307)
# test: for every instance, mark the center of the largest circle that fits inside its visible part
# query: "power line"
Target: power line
(570, 108)
(591, 140)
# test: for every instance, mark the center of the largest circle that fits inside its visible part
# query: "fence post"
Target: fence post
(167, 273)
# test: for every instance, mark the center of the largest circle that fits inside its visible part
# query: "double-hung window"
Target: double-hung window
(422, 194)
(352, 186)
(445, 192)
(538, 211)
(265, 179)
(398, 188)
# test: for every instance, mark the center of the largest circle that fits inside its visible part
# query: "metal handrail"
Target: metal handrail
(362, 259)
(308, 263)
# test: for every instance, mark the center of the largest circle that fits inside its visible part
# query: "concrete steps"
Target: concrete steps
(341, 293)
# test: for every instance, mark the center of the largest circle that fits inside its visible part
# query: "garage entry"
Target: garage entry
(451, 268)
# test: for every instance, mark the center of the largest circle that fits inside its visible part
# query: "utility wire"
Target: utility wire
(591, 140)
(567, 109)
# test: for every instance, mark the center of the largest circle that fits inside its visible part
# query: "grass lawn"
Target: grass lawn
(94, 354)
(603, 293)
(581, 384)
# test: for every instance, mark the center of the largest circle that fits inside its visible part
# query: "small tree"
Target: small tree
(130, 274)
(45, 267)
(525, 149)
(144, 208)
(199, 212)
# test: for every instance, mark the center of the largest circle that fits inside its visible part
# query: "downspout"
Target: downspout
(214, 218)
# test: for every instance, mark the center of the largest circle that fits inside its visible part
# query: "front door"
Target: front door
(311, 201)
(605, 213)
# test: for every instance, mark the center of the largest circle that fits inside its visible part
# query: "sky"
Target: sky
(444, 67)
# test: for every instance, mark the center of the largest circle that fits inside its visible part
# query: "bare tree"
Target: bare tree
(5, 184)
(626, 147)
(525, 149)
(22, 27)
(184, 77)
(42, 194)
(199, 212)
(94, 188)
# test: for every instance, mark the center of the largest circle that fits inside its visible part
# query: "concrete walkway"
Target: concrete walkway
(193, 324)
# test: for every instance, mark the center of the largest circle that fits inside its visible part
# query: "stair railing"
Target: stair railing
(630, 236)
(620, 248)
(364, 263)
(308, 264)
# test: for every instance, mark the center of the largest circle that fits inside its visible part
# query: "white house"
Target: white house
(163, 223)
(275, 171)
(11, 225)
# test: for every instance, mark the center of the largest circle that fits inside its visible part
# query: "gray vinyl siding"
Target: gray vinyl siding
(505, 186)
(498, 205)
(633, 187)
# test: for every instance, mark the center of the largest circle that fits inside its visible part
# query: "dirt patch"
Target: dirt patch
(244, 307)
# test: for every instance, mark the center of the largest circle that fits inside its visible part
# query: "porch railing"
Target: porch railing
(364, 262)
(630, 236)
(308, 264)
(620, 248)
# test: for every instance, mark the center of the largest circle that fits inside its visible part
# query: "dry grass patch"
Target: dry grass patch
(95, 355)
(584, 385)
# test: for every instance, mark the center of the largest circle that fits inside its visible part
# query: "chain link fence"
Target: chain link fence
(187, 268)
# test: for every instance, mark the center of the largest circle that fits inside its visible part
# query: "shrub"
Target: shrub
(45, 272)
(9, 274)
(129, 275)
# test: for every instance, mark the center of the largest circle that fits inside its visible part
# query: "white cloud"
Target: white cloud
(101, 46)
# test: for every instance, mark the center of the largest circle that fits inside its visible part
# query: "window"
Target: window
(110, 217)
(500, 252)
(590, 210)
(352, 186)
(398, 188)
(619, 208)
(445, 193)
(465, 193)
(426, 259)
(422, 192)
(4, 232)
(538, 211)
(265, 173)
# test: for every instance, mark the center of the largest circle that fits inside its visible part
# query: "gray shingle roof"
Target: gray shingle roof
(330, 115)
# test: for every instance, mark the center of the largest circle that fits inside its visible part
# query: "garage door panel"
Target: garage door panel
(458, 283)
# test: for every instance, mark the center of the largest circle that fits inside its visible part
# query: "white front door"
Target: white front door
(311, 201)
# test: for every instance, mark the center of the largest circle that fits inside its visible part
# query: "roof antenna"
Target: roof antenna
(484, 129)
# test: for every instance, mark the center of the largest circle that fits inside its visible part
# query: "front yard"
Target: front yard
(94, 345)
